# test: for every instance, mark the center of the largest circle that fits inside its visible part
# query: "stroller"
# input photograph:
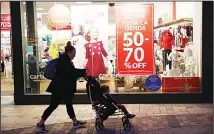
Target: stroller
(103, 106)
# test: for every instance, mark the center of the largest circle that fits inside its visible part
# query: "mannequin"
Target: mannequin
(182, 64)
(95, 52)
(78, 41)
(166, 41)
(189, 59)
(174, 57)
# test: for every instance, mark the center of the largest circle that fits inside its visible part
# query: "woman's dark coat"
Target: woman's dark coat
(64, 83)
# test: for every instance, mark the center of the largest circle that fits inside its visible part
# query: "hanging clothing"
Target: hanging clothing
(95, 65)
(183, 42)
(160, 34)
(46, 54)
(177, 39)
(166, 61)
(48, 40)
(166, 40)
(183, 36)
(189, 30)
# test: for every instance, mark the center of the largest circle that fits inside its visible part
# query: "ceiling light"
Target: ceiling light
(39, 9)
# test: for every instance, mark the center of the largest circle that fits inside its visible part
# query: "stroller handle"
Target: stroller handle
(89, 79)
(86, 78)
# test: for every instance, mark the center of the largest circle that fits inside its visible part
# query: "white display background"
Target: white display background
(161, 8)
(185, 9)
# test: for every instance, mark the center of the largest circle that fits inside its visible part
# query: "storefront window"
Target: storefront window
(126, 49)
(7, 84)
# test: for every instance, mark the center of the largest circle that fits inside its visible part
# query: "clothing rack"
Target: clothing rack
(183, 20)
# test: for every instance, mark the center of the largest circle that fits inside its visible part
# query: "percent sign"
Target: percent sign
(127, 65)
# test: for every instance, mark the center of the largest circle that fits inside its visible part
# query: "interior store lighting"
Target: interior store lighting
(39, 9)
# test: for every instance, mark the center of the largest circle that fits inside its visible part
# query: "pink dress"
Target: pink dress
(95, 64)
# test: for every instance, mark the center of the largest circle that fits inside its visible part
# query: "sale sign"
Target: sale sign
(57, 46)
(135, 54)
(5, 22)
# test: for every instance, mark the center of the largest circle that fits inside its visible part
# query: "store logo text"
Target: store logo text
(38, 77)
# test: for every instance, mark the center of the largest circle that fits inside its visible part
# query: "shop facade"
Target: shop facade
(155, 53)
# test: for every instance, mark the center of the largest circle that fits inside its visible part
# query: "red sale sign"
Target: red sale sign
(135, 53)
(5, 22)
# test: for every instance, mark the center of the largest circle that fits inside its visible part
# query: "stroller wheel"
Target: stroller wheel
(127, 126)
(125, 119)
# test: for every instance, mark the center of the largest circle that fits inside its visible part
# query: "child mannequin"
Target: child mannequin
(94, 54)
(78, 41)
(174, 57)
(190, 62)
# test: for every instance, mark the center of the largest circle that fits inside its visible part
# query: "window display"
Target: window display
(5, 35)
(121, 48)
(94, 54)
(79, 42)
(6, 49)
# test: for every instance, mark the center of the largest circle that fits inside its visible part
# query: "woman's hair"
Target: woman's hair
(87, 37)
(81, 28)
(69, 47)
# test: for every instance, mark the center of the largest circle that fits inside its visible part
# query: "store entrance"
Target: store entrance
(7, 83)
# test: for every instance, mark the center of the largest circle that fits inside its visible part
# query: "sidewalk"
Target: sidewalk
(150, 119)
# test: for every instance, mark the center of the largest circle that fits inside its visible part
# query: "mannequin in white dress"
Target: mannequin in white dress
(174, 56)
(78, 41)
(190, 61)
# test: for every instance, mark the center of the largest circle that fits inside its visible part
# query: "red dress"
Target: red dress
(95, 65)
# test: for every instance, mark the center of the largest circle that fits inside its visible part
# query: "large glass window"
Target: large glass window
(128, 50)
(7, 84)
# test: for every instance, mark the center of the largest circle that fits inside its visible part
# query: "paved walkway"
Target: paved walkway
(150, 119)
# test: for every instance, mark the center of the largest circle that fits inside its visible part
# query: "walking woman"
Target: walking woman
(63, 87)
